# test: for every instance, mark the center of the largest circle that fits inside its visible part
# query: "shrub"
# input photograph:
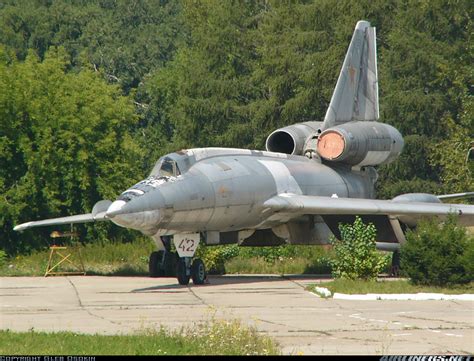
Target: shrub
(356, 255)
(3, 257)
(214, 257)
(438, 254)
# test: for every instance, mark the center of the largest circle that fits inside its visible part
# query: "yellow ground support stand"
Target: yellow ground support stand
(61, 258)
(60, 255)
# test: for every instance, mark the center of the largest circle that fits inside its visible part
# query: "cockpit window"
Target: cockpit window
(166, 167)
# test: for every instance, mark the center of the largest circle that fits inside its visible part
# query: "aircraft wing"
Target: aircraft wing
(301, 204)
(448, 197)
(97, 214)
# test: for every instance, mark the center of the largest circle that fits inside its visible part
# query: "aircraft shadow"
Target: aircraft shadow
(217, 280)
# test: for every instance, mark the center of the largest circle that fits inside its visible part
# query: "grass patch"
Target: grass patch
(215, 337)
(102, 258)
(258, 265)
(287, 259)
(389, 287)
(131, 259)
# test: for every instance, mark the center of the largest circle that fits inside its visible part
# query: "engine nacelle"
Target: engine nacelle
(360, 143)
(414, 197)
(291, 139)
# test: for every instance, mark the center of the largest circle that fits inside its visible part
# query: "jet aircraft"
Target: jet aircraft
(311, 177)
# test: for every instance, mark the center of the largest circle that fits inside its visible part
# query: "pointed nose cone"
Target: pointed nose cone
(140, 213)
(115, 208)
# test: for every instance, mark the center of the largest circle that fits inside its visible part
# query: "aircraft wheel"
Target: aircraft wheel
(182, 272)
(198, 272)
(170, 263)
(154, 264)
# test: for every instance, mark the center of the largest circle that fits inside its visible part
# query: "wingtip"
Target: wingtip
(22, 227)
(362, 25)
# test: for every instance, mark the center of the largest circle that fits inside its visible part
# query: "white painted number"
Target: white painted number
(186, 243)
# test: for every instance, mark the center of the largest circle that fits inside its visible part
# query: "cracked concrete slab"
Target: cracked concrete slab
(278, 306)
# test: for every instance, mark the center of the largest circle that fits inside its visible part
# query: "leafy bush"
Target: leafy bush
(269, 253)
(277, 259)
(438, 254)
(214, 257)
(356, 255)
(3, 257)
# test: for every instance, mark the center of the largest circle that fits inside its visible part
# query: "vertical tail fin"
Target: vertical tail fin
(356, 94)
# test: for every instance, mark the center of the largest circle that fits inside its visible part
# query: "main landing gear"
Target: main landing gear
(180, 264)
(162, 264)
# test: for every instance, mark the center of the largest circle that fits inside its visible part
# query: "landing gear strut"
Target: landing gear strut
(163, 263)
(395, 269)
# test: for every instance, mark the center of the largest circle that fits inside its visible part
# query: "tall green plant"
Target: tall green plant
(356, 256)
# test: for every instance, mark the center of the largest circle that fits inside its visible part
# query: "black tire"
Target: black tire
(170, 264)
(198, 272)
(395, 269)
(181, 274)
(154, 264)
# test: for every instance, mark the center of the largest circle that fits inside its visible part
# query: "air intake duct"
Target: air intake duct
(291, 139)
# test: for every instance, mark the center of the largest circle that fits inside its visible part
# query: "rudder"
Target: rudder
(356, 94)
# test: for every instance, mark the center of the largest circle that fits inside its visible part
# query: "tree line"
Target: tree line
(93, 92)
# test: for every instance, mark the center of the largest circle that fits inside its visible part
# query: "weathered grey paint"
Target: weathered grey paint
(356, 94)
(226, 191)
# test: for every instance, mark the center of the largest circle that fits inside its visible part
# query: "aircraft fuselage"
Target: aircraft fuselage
(225, 191)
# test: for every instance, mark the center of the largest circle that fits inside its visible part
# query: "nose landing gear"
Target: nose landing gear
(165, 263)
(187, 270)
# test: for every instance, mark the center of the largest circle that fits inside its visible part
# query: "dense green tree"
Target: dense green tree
(64, 142)
(201, 98)
(301, 47)
(122, 39)
(425, 68)
(411, 172)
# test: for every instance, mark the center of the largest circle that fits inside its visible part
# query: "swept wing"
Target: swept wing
(301, 204)
(97, 214)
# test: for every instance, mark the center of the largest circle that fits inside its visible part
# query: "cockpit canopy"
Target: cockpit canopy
(165, 167)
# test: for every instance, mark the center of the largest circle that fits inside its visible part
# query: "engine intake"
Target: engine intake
(360, 143)
(291, 139)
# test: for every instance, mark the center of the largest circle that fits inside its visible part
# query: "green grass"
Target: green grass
(287, 259)
(106, 258)
(131, 259)
(215, 337)
(387, 286)
(258, 265)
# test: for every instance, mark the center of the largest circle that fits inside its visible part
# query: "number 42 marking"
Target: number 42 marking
(187, 245)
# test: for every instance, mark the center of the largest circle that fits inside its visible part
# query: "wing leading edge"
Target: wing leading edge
(301, 204)
(97, 214)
